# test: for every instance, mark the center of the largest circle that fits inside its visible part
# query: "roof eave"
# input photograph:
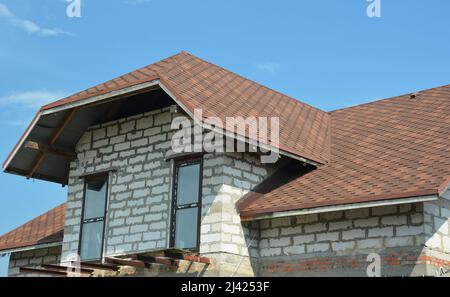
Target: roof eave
(120, 93)
(30, 247)
(405, 199)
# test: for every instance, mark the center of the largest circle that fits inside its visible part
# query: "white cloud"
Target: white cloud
(268, 66)
(4, 11)
(27, 25)
(32, 99)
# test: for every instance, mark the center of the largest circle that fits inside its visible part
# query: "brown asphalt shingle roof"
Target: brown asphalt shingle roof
(387, 149)
(220, 93)
(393, 148)
(47, 228)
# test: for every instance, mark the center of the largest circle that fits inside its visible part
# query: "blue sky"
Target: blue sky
(327, 53)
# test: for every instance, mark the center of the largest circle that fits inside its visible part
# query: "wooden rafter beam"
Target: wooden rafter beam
(41, 156)
(63, 126)
(198, 259)
(124, 262)
(37, 162)
(188, 257)
(95, 266)
(156, 260)
(45, 149)
(42, 271)
(67, 269)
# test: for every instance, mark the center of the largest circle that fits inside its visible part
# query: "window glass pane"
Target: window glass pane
(186, 229)
(91, 241)
(188, 184)
(94, 204)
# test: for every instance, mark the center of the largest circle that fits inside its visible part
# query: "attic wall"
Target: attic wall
(139, 188)
(139, 200)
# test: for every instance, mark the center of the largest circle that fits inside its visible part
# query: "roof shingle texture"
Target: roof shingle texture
(220, 93)
(392, 148)
(47, 228)
(387, 149)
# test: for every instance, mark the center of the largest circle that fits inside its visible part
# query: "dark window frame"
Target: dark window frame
(86, 179)
(186, 161)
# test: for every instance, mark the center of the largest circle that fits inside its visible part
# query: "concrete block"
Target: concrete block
(329, 236)
(399, 241)
(341, 225)
(314, 228)
(270, 252)
(317, 247)
(381, 232)
(394, 220)
(127, 127)
(112, 130)
(270, 233)
(432, 209)
(353, 234)
(301, 239)
(384, 210)
(370, 243)
(144, 123)
(357, 213)
(139, 228)
(329, 216)
(409, 230)
(297, 229)
(368, 222)
(280, 242)
(294, 250)
(154, 235)
(281, 222)
(99, 134)
(343, 246)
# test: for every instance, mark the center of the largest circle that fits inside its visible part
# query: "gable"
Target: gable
(193, 84)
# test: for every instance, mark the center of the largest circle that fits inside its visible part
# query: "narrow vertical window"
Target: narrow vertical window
(93, 218)
(186, 206)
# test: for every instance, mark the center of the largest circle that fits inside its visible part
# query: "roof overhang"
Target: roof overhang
(339, 207)
(62, 125)
(30, 248)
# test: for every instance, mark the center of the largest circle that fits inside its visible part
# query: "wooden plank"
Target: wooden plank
(188, 257)
(67, 269)
(156, 260)
(40, 158)
(198, 259)
(45, 149)
(37, 162)
(95, 266)
(42, 271)
(124, 262)
(61, 128)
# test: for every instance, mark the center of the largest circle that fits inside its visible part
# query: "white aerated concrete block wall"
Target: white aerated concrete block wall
(139, 198)
(139, 188)
(227, 178)
(343, 232)
(437, 223)
(33, 259)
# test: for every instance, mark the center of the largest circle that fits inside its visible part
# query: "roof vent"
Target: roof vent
(413, 95)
